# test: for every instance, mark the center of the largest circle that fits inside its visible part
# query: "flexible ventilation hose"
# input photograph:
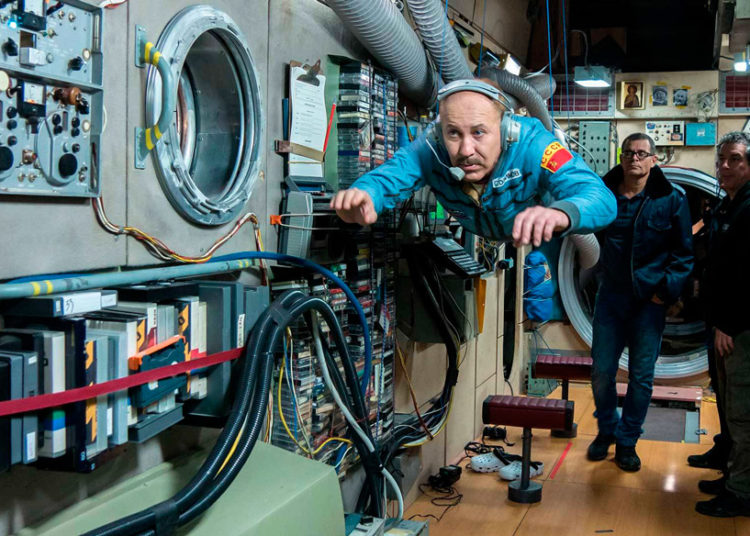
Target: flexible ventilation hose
(439, 39)
(380, 27)
(523, 91)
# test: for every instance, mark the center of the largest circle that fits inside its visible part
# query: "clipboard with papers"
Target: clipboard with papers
(308, 119)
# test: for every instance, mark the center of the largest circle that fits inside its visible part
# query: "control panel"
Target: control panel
(452, 256)
(50, 97)
(594, 137)
(666, 132)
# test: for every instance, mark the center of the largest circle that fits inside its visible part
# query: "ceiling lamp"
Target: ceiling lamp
(593, 76)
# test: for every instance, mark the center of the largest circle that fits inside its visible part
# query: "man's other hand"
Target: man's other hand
(723, 343)
(536, 224)
(354, 206)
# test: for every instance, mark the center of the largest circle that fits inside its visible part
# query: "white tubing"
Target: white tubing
(588, 249)
(348, 415)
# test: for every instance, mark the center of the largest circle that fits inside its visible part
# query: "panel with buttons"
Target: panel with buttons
(50, 97)
(666, 132)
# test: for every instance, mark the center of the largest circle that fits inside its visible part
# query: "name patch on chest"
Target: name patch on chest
(555, 156)
(511, 174)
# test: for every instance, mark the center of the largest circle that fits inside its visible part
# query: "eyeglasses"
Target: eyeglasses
(640, 154)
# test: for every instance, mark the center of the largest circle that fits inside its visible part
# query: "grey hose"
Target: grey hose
(439, 39)
(380, 27)
(522, 90)
(543, 84)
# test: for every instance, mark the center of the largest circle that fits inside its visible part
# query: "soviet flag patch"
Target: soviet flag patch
(555, 156)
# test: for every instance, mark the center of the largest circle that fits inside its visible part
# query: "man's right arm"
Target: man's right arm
(385, 186)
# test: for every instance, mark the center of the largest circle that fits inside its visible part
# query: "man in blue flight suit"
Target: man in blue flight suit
(499, 175)
(647, 255)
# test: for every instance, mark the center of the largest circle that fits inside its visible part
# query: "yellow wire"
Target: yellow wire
(286, 426)
(281, 412)
(231, 452)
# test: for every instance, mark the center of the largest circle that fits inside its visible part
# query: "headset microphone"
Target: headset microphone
(457, 173)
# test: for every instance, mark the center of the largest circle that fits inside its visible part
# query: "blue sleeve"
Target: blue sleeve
(680, 262)
(577, 191)
(399, 177)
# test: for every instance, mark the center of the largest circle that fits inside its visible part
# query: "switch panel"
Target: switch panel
(666, 132)
(594, 137)
(51, 68)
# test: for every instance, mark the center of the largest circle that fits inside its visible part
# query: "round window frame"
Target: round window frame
(173, 172)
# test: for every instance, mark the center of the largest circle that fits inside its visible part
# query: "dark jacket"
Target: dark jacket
(725, 284)
(661, 258)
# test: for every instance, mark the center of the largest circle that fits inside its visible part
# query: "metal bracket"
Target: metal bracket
(140, 153)
(140, 43)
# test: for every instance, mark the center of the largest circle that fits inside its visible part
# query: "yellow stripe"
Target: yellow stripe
(37, 288)
(49, 286)
(155, 59)
(147, 52)
(157, 132)
(149, 141)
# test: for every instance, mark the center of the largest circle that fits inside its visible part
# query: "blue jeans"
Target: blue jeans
(623, 320)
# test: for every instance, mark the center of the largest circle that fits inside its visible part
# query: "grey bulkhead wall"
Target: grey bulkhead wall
(147, 206)
(53, 236)
(44, 235)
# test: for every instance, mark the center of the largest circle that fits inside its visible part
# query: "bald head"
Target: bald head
(470, 124)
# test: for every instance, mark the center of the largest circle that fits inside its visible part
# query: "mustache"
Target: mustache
(469, 162)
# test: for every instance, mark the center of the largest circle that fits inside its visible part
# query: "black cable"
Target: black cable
(248, 409)
(143, 520)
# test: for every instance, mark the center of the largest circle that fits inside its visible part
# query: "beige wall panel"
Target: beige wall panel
(465, 7)
(488, 388)
(500, 378)
(562, 336)
(426, 364)
(433, 458)
(487, 340)
(506, 23)
(461, 421)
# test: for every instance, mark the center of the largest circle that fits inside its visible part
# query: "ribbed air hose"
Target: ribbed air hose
(523, 91)
(383, 30)
(439, 39)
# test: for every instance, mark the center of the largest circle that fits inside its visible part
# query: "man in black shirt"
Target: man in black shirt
(727, 289)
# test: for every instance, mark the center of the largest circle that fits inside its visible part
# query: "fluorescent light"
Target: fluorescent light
(740, 64)
(512, 66)
(592, 76)
(593, 83)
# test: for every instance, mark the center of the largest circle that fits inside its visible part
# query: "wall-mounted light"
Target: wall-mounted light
(592, 76)
(741, 60)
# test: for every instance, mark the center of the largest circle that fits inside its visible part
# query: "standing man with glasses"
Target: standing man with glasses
(647, 255)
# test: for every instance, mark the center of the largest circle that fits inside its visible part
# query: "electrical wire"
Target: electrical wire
(281, 410)
(348, 415)
(549, 53)
(111, 4)
(411, 392)
(159, 248)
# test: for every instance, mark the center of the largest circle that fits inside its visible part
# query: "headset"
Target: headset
(510, 129)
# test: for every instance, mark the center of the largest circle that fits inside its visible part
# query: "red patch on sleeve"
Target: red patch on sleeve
(555, 156)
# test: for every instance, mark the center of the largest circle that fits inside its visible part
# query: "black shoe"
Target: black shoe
(712, 459)
(727, 504)
(599, 448)
(626, 458)
(713, 487)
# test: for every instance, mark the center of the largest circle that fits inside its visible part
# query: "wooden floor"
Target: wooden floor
(587, 497)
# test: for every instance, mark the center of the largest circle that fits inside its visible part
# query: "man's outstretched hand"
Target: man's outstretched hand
(354, 206)
(538, 223)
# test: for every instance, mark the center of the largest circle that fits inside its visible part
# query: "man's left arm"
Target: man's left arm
(680, 262)
(578, 191)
